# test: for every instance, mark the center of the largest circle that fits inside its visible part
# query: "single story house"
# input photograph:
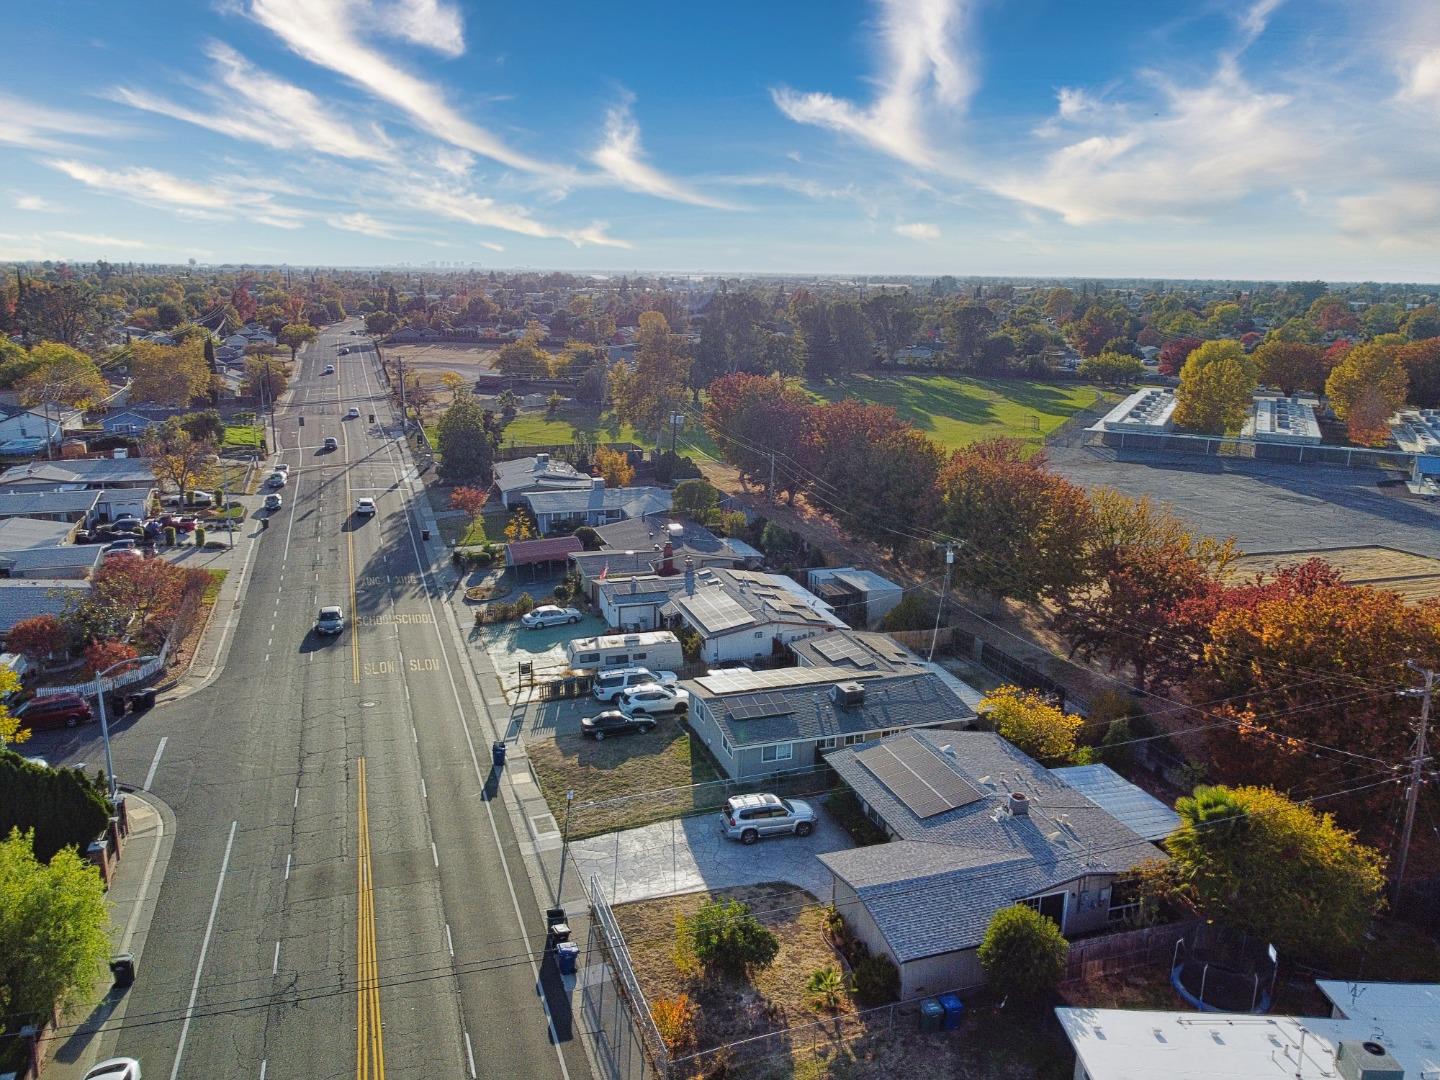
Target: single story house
(20, 533)
(745, 615)
(976, 826)
(75, 562)
(536, 473)
(1376, 1031)
(861, 597)
(862, 651)
(25, 599)
(636, 548)
(540, 553)
(19, 424)
(75, 507)
(135, 422)
(762, 722)
(636, 603)
(93, 473)
(597, 505)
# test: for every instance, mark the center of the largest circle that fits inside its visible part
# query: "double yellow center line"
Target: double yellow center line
(369, 1038)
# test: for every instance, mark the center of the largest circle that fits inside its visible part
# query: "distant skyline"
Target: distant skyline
(1259, 140)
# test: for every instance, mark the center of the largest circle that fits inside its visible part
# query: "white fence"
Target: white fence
(115, 682)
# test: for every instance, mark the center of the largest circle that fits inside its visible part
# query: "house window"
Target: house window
(828, 743)
(853, 740)
(1051, 905)
(728, 745)
(782, 752)
(1124, 899)
(759, 633)
(640, 656)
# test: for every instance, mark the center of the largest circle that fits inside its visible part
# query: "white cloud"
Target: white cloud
(328, 33)
(1405, 214)
(202, 201)
(63, 245)
(100, 240)
(622, 158)
(24, 123)
(490, 246)
(466, 206)
(36, 204)
(1420, 78)
(431, 23)
(254, 105)
(919, 230)
(364, 224)
(925, 68)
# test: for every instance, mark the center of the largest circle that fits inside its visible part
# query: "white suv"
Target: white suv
(609, 685)
(653, 699)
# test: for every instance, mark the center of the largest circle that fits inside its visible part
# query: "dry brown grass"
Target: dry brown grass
(1415, 577)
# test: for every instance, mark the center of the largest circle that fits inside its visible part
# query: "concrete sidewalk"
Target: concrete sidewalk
(89, 1032)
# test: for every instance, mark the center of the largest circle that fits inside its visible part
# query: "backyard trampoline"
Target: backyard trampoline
(1216, 969)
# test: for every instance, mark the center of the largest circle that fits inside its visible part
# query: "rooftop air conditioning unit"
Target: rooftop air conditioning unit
(848, 693)
(1366, 1060)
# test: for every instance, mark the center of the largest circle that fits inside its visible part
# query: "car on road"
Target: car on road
(749, 817)
(614, 722)
(276, 480)
(654, 699)
(331, 443)
(331, 620)
(281, 467)
(273, 501)
(121, 1068)
(353, 414)
(329, 370)
(365, 506)
(56, 710)
(611, 684)
(549, 615)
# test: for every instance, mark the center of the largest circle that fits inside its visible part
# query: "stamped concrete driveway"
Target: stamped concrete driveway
(690, 855)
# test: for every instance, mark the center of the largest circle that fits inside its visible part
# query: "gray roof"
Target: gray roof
(756, 708)
(17, 533)
(22, 599)
(644, 533)
(641, 590)
(80, 471)
(863, 650)
(634, 501)
(28, 561)
(28, 503)
(1134, 806)
(525, 473)
(935, 889)
(728, 600)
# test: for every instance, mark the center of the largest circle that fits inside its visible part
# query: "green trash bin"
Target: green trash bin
(932, 1015)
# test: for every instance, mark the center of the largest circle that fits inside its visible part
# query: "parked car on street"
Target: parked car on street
(365, 505)
(353, 413)
(331, 620)
(749, 817)
(127, 544)
(55, 710)
(549, 615)
(609, 685)
(273, 501)
(282, 466)
(653, 699)
(192, 498)
(178, 522)
(614, 722)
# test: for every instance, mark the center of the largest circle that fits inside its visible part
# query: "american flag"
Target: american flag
(603, 571)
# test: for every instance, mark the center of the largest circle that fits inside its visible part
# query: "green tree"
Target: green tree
(647, 395)
(1276, 869)
(53, 928)
(62, 376)
(696, 499)
(172, 375)
(1365, 389)
(1023, 953)
(726, 937)
(380, 323)
(293, 335)
(1112, 368)
(1032, 724)
(468, 437)
(1214, 396)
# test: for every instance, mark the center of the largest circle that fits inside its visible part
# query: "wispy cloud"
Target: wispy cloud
(1403, 214)
(918, 230)
(431, 23)
(211, 201)
(330, 34)
(253, 105)
(364, 224)
(925, 68)
(24, 123)
(100, 240)
(1420, 78)
(458, 204)
(621, 157)
(36, 204)
(24, 247)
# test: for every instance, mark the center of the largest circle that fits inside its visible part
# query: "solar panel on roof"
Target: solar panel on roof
(915, 775)
(760, 706)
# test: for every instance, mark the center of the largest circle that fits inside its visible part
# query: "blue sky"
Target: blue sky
(1260, 139)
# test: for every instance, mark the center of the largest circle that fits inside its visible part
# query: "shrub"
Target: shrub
(914, 612)
(877, 980)
(675, 1020)
(170, 536)
(1115, 748)
(199, 537)
(1031, 723)
(1023, 953)
(589, 537)
(845, 808)
(728, 938)
(524, 604)
(826, 986)
(690, 644)
(61, 805)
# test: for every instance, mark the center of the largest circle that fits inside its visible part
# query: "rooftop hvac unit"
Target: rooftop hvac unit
(1366, 1060)
(848, 693)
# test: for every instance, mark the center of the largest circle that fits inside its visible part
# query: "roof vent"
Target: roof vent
(847, 693)
(542, 461)
(1367, 1060)
(948, 750)
(1019, 804)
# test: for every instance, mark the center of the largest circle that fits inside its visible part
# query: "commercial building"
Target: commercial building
(1289, 420)
(1146, 412)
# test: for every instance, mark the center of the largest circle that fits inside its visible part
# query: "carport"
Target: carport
(537, 554)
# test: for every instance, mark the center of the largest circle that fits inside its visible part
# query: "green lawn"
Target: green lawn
(539, 427)
(956, 411)
(488, 527)
(242, 435)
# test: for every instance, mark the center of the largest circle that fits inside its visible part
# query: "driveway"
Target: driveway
(689, 855)
(510, 643)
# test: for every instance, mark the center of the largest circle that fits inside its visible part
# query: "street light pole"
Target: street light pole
(564, 849)
(104, 721)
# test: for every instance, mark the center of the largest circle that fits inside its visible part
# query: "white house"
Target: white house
(745, 615)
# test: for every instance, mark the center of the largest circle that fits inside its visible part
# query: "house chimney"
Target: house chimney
(1019, 804)
(667, 564)
(542, 462)
(689, 576)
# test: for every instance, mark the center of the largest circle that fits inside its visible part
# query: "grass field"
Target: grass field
(242, 435)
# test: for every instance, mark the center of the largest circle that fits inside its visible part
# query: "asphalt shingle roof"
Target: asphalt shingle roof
(634, 501)
(22, 599)
(18, 533)
(27, 503)
(29, 561)
(80, 471)
(528, 473)
(935, 888)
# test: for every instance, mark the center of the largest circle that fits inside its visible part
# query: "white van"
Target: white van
(654, 649)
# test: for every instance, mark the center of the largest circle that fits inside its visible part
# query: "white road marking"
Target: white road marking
(288, 857)
(262, 1070)
(204, 948)
(449, 941)
(267, 658)
(296, 803)
(470, 1055)
(155, 762)
(434, 853)
(275, 964)
(423, 793)
(414, 735)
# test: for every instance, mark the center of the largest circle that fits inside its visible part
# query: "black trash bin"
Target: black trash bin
(142, 700)
(497, 753)
(122, 966)
(424, 534)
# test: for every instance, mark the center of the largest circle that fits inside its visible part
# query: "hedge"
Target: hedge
(63, 806)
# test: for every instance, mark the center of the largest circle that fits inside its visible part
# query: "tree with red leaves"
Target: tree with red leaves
(1292, 366)
(471, 500)
(759, 420)
(102, 655)
(38, 637)
(1175, 352)
(1422, 364)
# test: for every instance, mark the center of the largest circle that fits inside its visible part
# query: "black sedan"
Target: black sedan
(614, 722)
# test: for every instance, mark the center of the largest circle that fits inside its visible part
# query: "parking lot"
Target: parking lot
(510, 644)
(1266, 506)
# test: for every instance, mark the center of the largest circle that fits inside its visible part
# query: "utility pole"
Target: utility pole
(944, 592)
(772, 476)
(1412, 798)
(404, 416)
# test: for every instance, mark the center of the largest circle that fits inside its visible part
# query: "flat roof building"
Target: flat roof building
(1282, 420)
(1147, 412)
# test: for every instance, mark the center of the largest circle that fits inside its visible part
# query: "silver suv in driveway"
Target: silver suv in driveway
(749, 817)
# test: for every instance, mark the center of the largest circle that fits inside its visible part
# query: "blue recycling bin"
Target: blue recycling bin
(567, 955)
(497, 753)
(953, 1008)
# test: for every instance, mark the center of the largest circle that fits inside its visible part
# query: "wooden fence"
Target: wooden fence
(1091, 958)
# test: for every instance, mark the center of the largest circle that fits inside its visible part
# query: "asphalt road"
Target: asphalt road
(342, 898)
